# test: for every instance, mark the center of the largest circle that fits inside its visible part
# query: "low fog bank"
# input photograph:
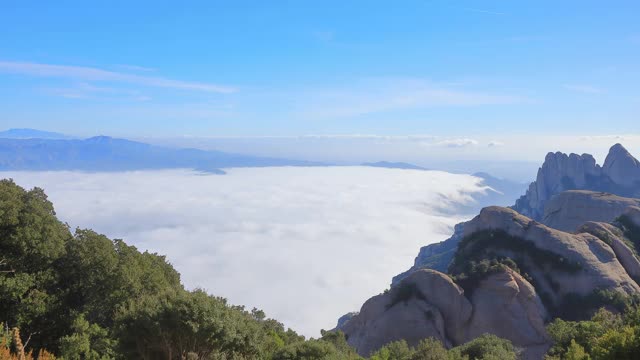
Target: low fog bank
(304, 244)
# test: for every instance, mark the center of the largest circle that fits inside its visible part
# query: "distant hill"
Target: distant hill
(31, 134)
(394, 165)
(103, 153)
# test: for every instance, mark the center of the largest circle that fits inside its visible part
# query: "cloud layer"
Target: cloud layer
(304, 244)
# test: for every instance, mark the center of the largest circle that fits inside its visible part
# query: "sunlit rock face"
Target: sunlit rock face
(570, 209)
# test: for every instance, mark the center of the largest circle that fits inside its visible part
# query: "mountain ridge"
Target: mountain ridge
(104, 153)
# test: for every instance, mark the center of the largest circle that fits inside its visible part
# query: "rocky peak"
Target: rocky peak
(621, 167)
(560, 172)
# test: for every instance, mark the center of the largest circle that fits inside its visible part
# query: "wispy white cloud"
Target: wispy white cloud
(83, 73)
(383, 95)
(495, 143)
(582, 88)
(457, 142)
(135, 68)
(85, 90)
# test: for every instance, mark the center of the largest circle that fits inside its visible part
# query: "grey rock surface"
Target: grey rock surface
(570, 209)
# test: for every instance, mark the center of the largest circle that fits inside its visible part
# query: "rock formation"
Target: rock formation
(570, 209)
(564, 249)
(621, 167)
(619, 175)
(559, 173)
(560, 263)
(566, 269)
(427, 304)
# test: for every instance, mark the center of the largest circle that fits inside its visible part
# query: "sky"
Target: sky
(289, 68)
(306, 245)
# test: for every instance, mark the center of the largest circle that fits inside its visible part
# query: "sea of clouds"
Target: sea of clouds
(304, 244)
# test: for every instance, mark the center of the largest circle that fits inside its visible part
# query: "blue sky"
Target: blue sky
(247, 68)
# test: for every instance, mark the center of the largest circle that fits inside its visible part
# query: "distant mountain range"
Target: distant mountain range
(37, 150)
(31, 134)
(25, 149)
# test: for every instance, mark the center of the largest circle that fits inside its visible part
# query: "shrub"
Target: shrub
(397, 350)
(481, 244)
(404, 292)
(486, 347)
(474, 272)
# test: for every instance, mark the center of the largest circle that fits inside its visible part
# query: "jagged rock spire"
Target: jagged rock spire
(621, 167)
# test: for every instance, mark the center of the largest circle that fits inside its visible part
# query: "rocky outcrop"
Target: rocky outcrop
(633, 214)
(522, 315)
(621, 167)
(570, 209)
(426, 304)
(547, 199)
(614, 236)
(499, 300)
(560, 172)
(574, 242)
(344, 319)
(429, 304)
(560, 263)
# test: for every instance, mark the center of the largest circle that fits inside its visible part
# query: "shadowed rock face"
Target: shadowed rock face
(633, 214)
(621, 167)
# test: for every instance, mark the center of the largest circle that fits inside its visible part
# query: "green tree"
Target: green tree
(88, 342)
(485, 347)
(430, 349)
(397, 350)
(622, 344)
(576, 352)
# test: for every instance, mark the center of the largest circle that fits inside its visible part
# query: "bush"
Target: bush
(480, 245)
(474, 272)
(404, 292)
(485, 347)
(397, 350)
(430, 349)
